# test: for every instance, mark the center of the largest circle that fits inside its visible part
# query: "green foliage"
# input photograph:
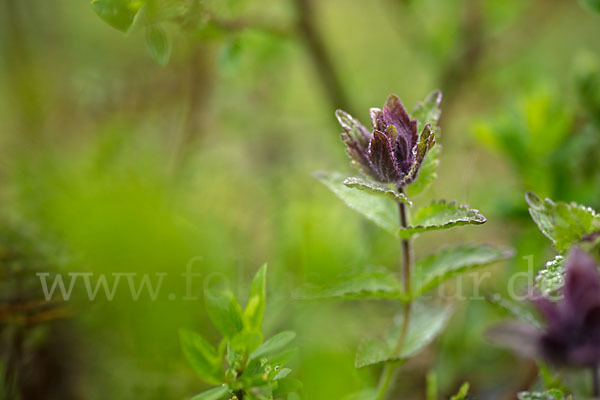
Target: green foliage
(254, 370)
(224, 311)
(376, 188)
(427, 173)
(462, 392)
(593, 5)
(425, 325)
(552, 278)
(441, 215)
(257, 302)
(370, 283)
(428, 111)
(217, 393)
(377, 209)
(514, 309)
(553, 394)
(564, 224)
(158, 44)
(439, 267)
(273, 345)
(119, 14)
(201, 356)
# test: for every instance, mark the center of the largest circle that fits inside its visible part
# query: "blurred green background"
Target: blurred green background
(111, 163)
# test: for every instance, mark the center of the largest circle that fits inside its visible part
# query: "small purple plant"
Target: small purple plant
(572, 336)
(393, 152)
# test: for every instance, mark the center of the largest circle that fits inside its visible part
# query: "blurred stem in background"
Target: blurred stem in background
(323, 61)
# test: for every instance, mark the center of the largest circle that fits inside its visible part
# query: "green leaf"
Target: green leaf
(441, 215)
(117, 13)
(427, 172)
(439, 267)
(425, 324)
(519, 310)
(377, 189)
(592, 5)
(286, 385)
(367, 394)
(377, 209)
(552, 278)
(370, 283)
(552, 394)
(201, 356)
(428, 111)
(462, 392)
(274, 344)
(255, 308)
(224, 311)
(158, 44)
(217, 393)
(245, 342)
(564, 224)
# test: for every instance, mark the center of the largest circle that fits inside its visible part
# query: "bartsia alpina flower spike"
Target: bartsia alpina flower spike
(393, 151)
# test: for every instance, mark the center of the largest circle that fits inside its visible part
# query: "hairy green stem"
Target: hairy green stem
(388, 370)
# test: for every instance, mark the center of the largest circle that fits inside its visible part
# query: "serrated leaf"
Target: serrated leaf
(376, 189)
(564, 224)
(425, 324)
(380, 210)
(462, 392)
(224, 311)
(552, 278)
(370, 283)
(439, 267)
(553, 394)
(274, 344)
(441, 215)
(217, 393)
(158, 44)
(255, 308)
(117, 13)
(592, 5)
(427, 172)
(201, 356)
(428, 111)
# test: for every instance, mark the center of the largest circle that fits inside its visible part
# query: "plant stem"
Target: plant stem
(320, 56)
(389, 369)
(595, 382)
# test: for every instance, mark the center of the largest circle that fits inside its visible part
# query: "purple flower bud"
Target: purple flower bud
(572, 336)
(572, 333)
(393, 152)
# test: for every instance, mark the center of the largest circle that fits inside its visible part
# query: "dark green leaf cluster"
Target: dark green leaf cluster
(244, 367)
